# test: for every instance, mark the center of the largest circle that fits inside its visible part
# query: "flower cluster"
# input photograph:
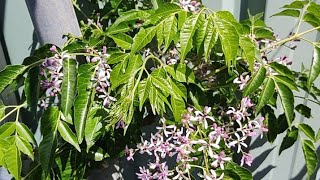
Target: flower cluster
(102, 76)
(188, 5)
(200, 141)
(51, 71)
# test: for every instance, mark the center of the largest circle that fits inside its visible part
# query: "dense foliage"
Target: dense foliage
(204, 79)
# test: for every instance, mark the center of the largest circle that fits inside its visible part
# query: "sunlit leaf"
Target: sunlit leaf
(315, 66)
(67, 134)
(288, 12)
(68, 87)
(287, 101)
(308, 131)
(93, 127)
(24, 146)
(187, 32)
(84, 99)
(310, 156)
(266, 93)
(249, 50)
(13, 161)
(255, 82)
(9, 74)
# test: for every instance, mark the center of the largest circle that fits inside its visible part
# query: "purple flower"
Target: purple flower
(144, 174)
(189, 5)
(242, 81)
(220, 159)
(129, 153)
(239, 142)
(120, 124)
(53, 48)
(246, 159)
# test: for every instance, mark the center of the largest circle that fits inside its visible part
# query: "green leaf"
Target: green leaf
(32, 88)
(249, 50)
(195, 101)
(24, 146)
(303, 110)
(255, 81)
(228, 29)
(286, 81)
(122, 40)
(68, 87)
(169, 30)
(289, 139)
(7, 129)
(93, 127)
(167, 9)
(308, 131)
(118, 28)
(210, 39)
(181, 73)
(142, 38)
(160, 83)
(310, 156)
(288, 12)
(47, 149)
(311, 19)
(202, 32)
(157, 3)
(268, 114)
(178, 107)
(318, 135)
(282, 123)
(9, 74)
(2, 110)
(287, 101)
(118, 76)
(84, 99)
(242, 172)
(144, 89)
(266, 94)
(25, 132)
(178, 89)
(160, 37)
(315, 66)
(282, 70)
(312, 15)
(67, 134)
(182, 17)
(296, 5)
(130, 16)
(48, 145)
(13, 161)
(117, 57)
(187, 32)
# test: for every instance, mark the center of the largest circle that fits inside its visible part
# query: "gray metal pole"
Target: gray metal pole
(52, 19)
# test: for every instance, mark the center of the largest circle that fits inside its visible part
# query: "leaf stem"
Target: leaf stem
(17, 108)
(296, 36)
(316, 102)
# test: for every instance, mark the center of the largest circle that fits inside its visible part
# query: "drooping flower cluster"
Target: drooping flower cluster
(198, 135)
(51, 71)
(102, 76)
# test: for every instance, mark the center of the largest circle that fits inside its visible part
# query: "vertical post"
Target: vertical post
(52, 19)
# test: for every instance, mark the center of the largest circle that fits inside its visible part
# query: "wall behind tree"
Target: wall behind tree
(18, 41)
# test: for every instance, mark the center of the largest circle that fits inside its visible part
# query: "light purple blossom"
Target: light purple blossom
(189, 5)
(246, 159)
(242, 80)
